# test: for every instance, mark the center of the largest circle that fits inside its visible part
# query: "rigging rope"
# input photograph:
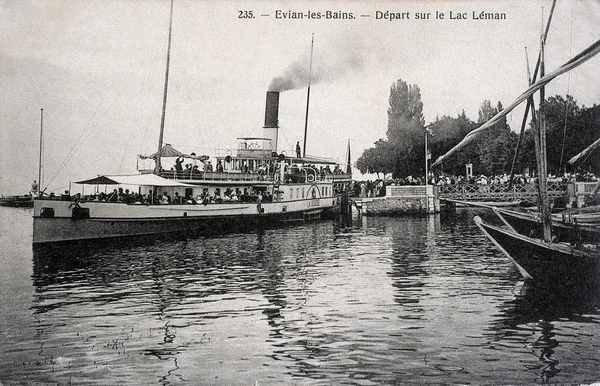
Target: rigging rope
(86, 128)
(562, 151)
(136, 125)
(89, 132)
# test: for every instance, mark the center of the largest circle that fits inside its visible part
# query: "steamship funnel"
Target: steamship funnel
(270, 129)
(272, 109)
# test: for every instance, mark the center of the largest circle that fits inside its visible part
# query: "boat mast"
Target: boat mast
(529, 103)
(543, 171)
(41, 143)
(164, 106)
(312, 41)
(349, 160)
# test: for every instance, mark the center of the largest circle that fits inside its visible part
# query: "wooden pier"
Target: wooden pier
(574, 193)
(410, 199)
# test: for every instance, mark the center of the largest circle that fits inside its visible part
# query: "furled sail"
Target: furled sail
(574, 62)
(134, 179)
(585, 152)
(169, 151)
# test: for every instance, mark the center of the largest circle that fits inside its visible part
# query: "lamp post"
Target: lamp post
(427, 131)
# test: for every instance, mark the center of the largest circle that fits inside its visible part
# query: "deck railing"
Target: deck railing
(252, 176)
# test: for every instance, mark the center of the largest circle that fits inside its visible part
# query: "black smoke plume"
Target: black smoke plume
(328, 65)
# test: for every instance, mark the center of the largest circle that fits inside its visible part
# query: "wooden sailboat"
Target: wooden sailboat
(255, 185)
(530, 224)
(540, 255)
(540, 260)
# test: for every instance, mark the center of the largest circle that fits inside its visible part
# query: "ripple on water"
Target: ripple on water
(384, 300)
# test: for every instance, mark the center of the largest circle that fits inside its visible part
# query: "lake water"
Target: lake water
(372, 301)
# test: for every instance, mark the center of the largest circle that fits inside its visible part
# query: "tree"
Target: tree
(447, 132)
(376, 159)
(563, 134)
(402, 152)
(496, 146)
(405, 132)
(570, 130)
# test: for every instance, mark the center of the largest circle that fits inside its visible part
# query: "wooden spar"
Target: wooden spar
(530, 100)
(41, 149)
(523, 124)
(426, 171)
(543, 171)
(312, 41)
(164, 106)
(349, 160)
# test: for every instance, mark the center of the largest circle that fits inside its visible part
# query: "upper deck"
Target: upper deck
(294, 175)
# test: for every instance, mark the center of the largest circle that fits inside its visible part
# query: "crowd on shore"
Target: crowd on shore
(376, 188)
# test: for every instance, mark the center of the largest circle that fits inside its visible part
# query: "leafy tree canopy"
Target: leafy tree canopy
(570, 129)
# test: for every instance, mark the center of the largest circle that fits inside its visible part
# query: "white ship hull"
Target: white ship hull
(54, 221)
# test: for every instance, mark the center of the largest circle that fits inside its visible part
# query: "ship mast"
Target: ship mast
(543, 171)
(41, 149)
(164, 106)
(312, 41)
(529, 103)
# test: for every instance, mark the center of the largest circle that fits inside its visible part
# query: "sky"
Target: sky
(97, 69)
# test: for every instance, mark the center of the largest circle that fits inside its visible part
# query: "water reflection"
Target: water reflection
(375, 300)
(538, 319)
(178, 286)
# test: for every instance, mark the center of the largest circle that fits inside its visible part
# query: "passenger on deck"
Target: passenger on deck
(178, 163)
(195, 170)
(128, 197)
(262, 169)
(75, 204)
(298, 149)
(34, 187)
(120, 195)
(219, 166)
(165, 199)
(176, 199)
(209, 167)
(114, 196)
(268, 197)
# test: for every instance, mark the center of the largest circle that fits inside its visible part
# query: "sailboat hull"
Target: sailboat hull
(531, 226)
(538, 260)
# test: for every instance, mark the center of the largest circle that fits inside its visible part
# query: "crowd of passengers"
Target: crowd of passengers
(127, 197)
(265, 169)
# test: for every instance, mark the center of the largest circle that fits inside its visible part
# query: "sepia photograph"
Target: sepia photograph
(299, 192)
